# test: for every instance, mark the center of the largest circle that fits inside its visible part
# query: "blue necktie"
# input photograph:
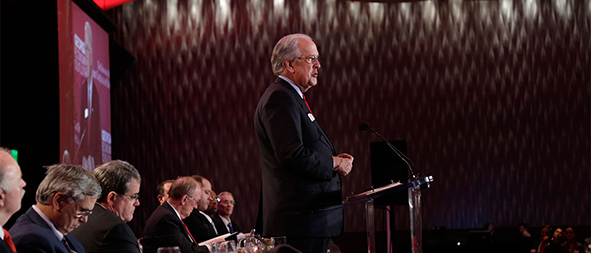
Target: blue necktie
(230, 227)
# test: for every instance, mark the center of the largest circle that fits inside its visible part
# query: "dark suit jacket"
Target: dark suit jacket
(200, 227)
(106, 232)
(31, 233)
(222, 229)
(301, 194)
(4, 247)
(165, 229)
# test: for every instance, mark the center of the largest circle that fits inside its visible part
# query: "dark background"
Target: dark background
(492, 98)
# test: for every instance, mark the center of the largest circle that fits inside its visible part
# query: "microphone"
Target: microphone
(364, 127)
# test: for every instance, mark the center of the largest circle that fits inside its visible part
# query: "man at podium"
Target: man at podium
(301, 171)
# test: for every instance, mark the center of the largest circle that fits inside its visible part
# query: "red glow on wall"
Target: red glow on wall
(108, 4)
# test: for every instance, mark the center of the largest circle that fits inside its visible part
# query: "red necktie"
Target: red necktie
(189, 232)
(8, 240)
(307, 104)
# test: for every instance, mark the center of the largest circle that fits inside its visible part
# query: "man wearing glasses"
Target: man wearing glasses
(301, 171)
(65, 198)
(106, 229)
(222, 220)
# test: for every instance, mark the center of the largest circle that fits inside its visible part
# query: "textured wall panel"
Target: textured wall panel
(492, 97)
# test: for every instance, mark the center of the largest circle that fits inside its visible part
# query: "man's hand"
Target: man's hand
(343, 163)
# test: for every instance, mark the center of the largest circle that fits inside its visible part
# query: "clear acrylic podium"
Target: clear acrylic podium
(414, 204)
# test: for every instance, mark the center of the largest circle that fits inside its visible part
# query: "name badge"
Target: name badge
(311, 117)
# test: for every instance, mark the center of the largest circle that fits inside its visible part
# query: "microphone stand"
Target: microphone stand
(414, 201)
(409, 163)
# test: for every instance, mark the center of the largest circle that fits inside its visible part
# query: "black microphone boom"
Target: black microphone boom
(364, 126)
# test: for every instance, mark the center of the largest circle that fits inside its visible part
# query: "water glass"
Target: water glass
(279, 240)
(174, 249)
(224, 247)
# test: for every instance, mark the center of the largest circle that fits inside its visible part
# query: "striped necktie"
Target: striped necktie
(67, 244)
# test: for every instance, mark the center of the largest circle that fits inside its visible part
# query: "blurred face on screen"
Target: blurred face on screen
(88, 49)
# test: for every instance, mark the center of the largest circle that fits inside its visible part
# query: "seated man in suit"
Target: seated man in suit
(106, 229)
(65, 199)
(165, 227)
(11, 194)
(162, 190)
(222, 221)
(225, 209)
(199, 223)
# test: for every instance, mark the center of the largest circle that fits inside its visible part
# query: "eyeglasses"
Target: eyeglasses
(133, 197)
(191, 198)
(81, 213)
(216, 199)
(225, 202)
(311, 59)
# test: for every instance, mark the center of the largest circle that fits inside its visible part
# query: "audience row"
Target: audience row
(558, 241)
(82, 211)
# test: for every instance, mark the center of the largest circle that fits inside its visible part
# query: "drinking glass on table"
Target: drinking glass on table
(173, 249)
(224, 247)
(269, 243)
(279, 240)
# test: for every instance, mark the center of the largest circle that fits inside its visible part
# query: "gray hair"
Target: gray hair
(115, 176)
(74, 181)
(183, 186)
(3, 180)
(286, 49)
(224, 193)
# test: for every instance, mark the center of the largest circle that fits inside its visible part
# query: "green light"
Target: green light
(14, 154)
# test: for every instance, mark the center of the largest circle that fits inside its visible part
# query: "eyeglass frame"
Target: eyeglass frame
(312, 59)
(225, 201)
(84, 214)
(134, 197)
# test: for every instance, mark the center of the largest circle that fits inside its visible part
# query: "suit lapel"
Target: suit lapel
(37, 219)
(180, 223)
(304, 108)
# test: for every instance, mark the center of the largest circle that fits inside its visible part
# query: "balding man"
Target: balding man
(11, 193)
(200, 224)
(165, 227)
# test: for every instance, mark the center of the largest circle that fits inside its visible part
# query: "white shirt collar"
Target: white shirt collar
(224, 220)
(293, 85)
(210, 221)
(1, 233)
(175, 211)
(57, 233)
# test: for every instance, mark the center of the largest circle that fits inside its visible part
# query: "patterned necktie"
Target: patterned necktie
(306, 101)
(8, 240)
(230, 227)
(67, 244)
(189, 232)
